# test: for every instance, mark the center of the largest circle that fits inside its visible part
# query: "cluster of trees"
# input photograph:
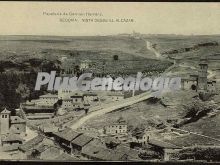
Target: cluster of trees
(194, 110)
(198, 108)
(18, 86)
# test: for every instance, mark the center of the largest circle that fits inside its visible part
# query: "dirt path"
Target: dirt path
(111, 107)
(152, 49)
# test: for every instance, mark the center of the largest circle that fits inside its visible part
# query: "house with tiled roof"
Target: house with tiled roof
(11, 124)
(48, 129)
(38, 148)
(65, 137)
(48, 152)
(131, 154)
(11, 128)
(79, 142)
(100, 153)
(118, 127)
(11, 139)
(47, 100)
(25, 150)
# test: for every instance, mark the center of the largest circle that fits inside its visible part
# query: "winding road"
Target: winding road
(101, 110)
(111, 107)
(152, 49)
(106, 108)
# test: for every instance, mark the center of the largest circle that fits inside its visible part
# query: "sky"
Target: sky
(27, 18)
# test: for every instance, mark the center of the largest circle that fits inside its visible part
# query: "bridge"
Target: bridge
(101, 110)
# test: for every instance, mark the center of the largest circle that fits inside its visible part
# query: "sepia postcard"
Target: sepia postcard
(110, 81)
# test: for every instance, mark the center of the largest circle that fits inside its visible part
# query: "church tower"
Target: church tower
(203, 73)
(5, 119)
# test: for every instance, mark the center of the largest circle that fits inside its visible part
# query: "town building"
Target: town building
(211, 86)
(90, 97)
(46, 152)
(119, 127)
(48, 129)
(115, 96)
(100, 153)
(40, 148)
(33, 112)
(140, 137)
(12, 124)
(77, 97)
(199, 82)
(79, 142)
(67, 103)
(131, 154)
(47, 100)
(11, 139)
(64, 138)
(26, 149)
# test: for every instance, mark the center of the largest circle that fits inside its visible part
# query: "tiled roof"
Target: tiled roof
(101, 153)
(67, 134)
(82, 140)
(97, 142)
(48, 128)
(5, 111)
(31, 143)
(132, 153)
(12, 137)
(41, 148)
(51, 153)
(17, 119)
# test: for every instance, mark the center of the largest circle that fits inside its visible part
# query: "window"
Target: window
(3, 116)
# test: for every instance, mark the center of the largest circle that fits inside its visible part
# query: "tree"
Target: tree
(197, 107)
(23, 91)
(115, 57)
(2, 99)
(2, 69)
